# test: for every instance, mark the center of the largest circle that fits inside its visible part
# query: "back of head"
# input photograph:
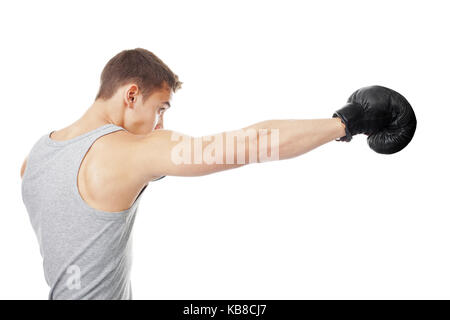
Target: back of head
(139, 66)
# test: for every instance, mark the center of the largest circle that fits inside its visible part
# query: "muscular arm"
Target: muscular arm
(165, 152)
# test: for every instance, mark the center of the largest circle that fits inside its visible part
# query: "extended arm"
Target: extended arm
(166, 152)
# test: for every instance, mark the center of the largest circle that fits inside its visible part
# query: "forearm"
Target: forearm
(296, 137)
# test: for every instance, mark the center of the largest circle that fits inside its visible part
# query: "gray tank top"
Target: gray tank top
(86, 252)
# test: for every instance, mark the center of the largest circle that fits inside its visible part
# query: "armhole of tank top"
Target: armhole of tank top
(93, 211)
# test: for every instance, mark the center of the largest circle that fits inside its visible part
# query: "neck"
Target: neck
(101, 112)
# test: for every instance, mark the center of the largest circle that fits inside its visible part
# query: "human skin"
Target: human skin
(120, 164)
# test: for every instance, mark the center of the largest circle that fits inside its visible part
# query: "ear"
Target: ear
(131, 94)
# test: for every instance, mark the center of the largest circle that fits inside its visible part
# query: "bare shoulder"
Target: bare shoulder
(121, 152)
(107, 179)
(114, 151)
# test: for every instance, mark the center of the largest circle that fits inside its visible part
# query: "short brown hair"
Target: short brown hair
(137, 65)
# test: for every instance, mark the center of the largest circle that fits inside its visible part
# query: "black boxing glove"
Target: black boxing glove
(381, 113)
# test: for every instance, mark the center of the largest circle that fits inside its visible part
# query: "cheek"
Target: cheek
(147, 115)
(151, 119)
(143, 118)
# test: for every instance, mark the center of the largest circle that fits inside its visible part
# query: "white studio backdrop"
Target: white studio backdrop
(340, 222)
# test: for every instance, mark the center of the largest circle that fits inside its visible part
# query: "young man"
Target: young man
(82, 184)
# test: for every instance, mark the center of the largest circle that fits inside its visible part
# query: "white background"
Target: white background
(339, 222)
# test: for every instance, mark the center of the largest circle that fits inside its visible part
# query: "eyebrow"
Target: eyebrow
(167, 102)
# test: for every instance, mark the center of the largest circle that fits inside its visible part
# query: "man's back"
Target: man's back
(86, 250)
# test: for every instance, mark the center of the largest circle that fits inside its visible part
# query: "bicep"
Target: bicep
(170, 153)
